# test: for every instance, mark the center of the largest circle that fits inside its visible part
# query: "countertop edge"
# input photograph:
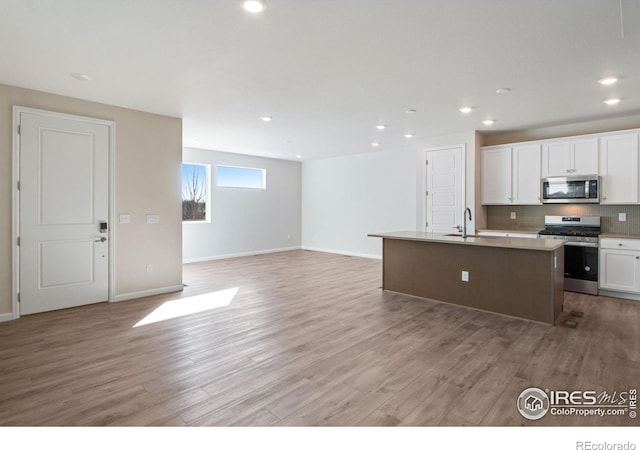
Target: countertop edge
(548, 245)
(619, 236)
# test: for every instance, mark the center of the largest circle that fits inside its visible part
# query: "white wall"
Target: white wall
(246, 221)
(345, 198)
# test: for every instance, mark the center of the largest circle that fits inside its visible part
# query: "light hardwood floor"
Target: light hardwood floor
(309, 339)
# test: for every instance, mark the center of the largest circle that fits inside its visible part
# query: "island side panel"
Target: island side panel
(558, 274)
(515, 282)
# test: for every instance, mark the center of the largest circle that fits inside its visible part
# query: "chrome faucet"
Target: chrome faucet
(464, 222)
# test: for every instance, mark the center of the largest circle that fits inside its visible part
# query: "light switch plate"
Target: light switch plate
(513, 214)
(153, 218)
(622, 217)
(125, 218)
(465, 276)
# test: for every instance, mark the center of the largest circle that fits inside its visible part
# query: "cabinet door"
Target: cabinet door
(585, 156)
(557, 159)
(620, 270)
(526, 174)
(619, 168)
(496, 176)
(570, 157)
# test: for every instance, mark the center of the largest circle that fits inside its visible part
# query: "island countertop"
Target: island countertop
(485, 241)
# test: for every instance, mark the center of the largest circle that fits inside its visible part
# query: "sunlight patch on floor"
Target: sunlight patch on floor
(189, 305)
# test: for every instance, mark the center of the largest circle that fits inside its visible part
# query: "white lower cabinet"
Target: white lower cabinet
(620, 265)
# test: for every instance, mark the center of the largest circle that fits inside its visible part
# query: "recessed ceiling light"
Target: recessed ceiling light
(409, 135)
(488, 122)
(612, 101)
(299, 156)
(411, 111)
(195, 141)
(381, 127)
(608, 81)
(253, 6)
(466, 109)
(80, 76)
(375, 144)
(503, 90)
(266, 118)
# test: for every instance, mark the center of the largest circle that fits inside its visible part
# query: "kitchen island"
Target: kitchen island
(519, 277)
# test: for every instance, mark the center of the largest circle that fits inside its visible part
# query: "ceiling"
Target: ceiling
(329, 71)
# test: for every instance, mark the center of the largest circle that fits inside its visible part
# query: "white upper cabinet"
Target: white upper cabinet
(496, 176)
(619, 168)
(526, 174)
(570, 157)
(511, 175)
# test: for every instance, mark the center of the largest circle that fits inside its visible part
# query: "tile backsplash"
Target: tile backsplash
(532, 216)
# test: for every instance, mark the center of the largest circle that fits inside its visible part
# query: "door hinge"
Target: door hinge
(18, 241)
(18, 297)
(426, 224)
(426, 193)
(18, 184)
(19, 129)
(426, 162)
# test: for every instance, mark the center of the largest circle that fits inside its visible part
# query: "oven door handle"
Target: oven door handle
(582, 244)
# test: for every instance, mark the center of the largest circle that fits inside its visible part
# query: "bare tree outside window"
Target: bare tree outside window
(194, 192)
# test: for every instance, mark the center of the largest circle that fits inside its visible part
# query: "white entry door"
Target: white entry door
(445, 189)
(64, 201)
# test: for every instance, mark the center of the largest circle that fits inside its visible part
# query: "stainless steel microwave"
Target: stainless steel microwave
(573, 189)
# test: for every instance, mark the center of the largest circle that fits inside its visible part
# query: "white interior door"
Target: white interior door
(445, 189)
(64, 197)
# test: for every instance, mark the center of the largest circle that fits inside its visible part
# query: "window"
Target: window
(195, 192)
(241, 177)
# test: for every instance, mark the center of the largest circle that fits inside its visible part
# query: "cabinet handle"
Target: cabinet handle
(619, 245)
(637, 257)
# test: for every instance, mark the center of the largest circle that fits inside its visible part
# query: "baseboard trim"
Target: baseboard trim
(239, 255)
(616, 294)
(6, 317)
(340, 252)
(147, 293)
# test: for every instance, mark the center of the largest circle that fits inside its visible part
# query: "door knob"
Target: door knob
(102, 239)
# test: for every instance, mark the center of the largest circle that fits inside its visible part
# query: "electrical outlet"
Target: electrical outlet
(125, 218)
(465, 276)
(149, 268)
(153, 218)
(513, 214)
(288, 236)
(622, 217)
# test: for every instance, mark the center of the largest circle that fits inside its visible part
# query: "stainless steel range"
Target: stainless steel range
(580, 251)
